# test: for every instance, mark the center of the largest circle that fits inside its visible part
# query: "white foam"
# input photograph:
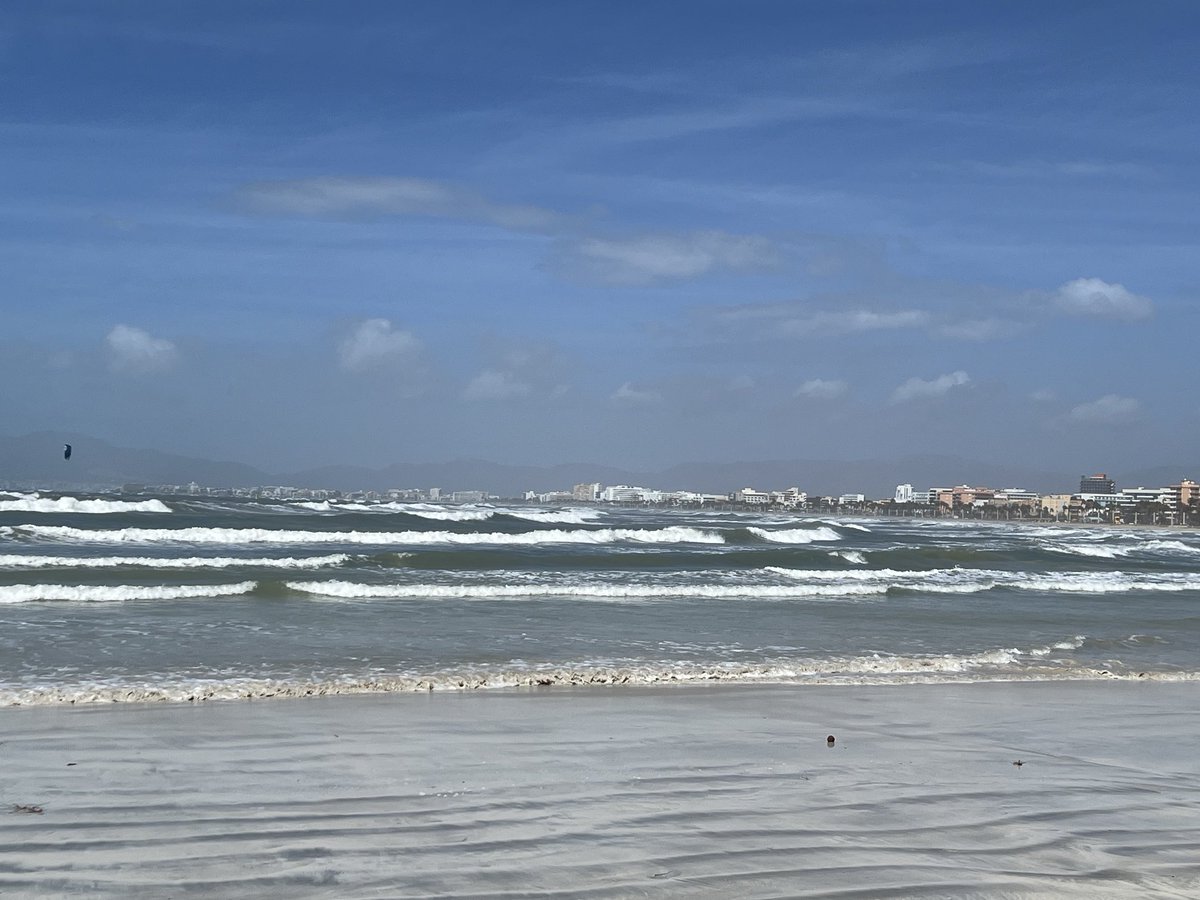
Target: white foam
(852, 525)
(155, 562)
(75, 505)
(556, 516)
(1074, 644)
(1094, 550)
(1170, 546)
(1000, 664)
(584, 590)
(30, 593)
(674, 534)
(851, 556)
(959, 580)
(796, 535)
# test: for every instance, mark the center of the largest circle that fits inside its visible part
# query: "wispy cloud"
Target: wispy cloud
(133, 349)
(852, 321)
(1111, 408)
(342, 196)
(373, 343)
(822, 389)
(917, 388)
(1094, 297)
(493, 385)
(628, 395)
(651, 258)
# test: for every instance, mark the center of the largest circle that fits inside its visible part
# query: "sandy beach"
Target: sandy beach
(689, 791)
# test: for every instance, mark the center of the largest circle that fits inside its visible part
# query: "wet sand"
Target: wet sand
(613, 792)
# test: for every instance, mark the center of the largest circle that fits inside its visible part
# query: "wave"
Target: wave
(796, 535)
(75, 505)
(966, 581)
(458, 514)
(674, 534)
(750, 585)
(595, 590)
(998, 664)
(155, 562)
(555, 516)
(851, 525)
(851, 556)
(1115, 551)
(1170, 547)
(31, 593)
(1095, 550)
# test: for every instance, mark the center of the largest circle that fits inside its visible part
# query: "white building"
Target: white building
(750, 495)
(1017, 495)
(904, 493)
(846, 499)
(623, 493)
(791, 497)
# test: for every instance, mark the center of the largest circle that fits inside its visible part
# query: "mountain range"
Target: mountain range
(35, 460)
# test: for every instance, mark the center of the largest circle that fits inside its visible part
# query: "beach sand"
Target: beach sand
(727, 791)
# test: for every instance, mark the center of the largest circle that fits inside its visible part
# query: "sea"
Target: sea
(104, 599)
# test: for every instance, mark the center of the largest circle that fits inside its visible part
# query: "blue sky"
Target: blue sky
(293, 234)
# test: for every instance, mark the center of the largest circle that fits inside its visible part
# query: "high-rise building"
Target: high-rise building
(1097, 484)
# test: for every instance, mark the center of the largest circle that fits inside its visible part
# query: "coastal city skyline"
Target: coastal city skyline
(1098, 499)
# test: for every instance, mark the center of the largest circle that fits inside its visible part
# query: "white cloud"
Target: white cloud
(133, 349)
(916, 388)
(373, 343)
(1043, 395)
(1110, 408)
(821, 389)
(372, 196)
(852, 321)
(630, 395)
(493, 385)
(664, 257)
(1093, 297)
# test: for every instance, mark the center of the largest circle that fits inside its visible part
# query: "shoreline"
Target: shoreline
(540, 681)
(699, 791)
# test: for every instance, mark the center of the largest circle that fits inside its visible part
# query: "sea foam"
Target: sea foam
(674, 534)
(158, 562)
(582, 590)
(997, 664)
(30, 593)
(796, 535)
(75, 505)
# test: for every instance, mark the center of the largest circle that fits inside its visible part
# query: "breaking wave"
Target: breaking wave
(156, 562)
(967, 581)
(456, 513)
(796, 535)
(851, 556)
(31, 593)
(586, 590)
(998, 664)
(75, 505)
(674, 534)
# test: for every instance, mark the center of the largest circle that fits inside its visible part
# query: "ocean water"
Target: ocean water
(105, 599)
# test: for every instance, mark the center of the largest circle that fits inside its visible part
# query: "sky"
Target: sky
(635, 234)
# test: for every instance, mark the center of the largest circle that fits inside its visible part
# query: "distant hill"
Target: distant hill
(36, 460)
